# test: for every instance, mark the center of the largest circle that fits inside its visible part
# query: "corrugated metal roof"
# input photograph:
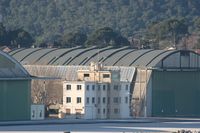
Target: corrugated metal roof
(109, 56)
(34, 56)
(24, 53)
(10, 68)
(158, 58)
(87, 55)
(69, 73)
(111, 61)
(145, 58)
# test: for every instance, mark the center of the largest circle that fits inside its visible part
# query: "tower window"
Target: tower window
(68, 87)
(106, 75)
(86, 75)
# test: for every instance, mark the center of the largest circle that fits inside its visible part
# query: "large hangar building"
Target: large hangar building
(15, 90)
(163, 83)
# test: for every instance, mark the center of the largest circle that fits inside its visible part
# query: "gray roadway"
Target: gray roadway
(131, 125)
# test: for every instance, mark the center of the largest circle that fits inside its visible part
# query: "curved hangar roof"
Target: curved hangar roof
(10, 68)
(109, 56)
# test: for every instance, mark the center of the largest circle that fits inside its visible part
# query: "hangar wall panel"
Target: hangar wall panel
(175, 93)
(15, 99)
(172, 61)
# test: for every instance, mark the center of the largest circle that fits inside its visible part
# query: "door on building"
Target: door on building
(89, 112)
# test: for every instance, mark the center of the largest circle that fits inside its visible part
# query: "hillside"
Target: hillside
(47, 20)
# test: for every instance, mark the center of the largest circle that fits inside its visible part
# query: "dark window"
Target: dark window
(104, 100)
(108, 100)
(68, 99)
(93, 87)
(88, 100)
(93, 100)
(99, 87)
(78, 87)
(104, 111)
(115, 100)
(126, 87)
(68, 87)
(104, 87)
(106, 75)
(116, 111)
(99, 100)
(126, 99)
(115, 87)
(88, 87)
(78, 100)
(99, 111)
(86, 75)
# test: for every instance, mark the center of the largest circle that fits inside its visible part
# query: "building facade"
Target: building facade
(97, 94)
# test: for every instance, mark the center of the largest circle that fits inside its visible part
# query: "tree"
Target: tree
(177, 28)
(2, 34)
(20, 38)
(171, 29)
(197, 24)
(106, 37)
(72, 39)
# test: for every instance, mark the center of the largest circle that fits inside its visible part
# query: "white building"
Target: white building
(97, 94)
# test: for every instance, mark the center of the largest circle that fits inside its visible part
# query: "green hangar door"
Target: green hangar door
(15, 90)
(176, 93)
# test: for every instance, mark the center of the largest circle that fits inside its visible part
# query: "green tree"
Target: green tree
(73, 39)
(172, 29)
(3, 33)
(106, 36)
(20, 38)
(177, 28)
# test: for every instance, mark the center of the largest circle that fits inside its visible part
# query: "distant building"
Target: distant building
(97, 94)
(5, 49)
(162, 82)
(15, 90)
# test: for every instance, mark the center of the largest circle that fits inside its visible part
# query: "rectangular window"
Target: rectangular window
(87, 100)
(93, 100)
(126, 99)
(68, 87)
(78, 87)
(119, 100)
(86, 75)
(108, 100)
(78, 100)
(104, 111)
(115, 100)
(127, 87)
(99, 87)
(115, 87)
(99, 111)
(104, 100)
(93, 87)
(99, 100)
(104, 87)
(116, 111)
(106, 75)
(88, 87)
(68, 99)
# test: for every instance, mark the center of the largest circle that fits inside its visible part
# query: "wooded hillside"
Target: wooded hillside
(51, 20)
